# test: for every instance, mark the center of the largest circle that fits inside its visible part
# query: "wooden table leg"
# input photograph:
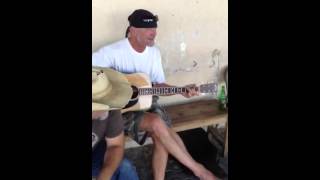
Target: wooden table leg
(226, 141)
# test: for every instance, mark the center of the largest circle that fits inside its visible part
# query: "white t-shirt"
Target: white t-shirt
(121, 57)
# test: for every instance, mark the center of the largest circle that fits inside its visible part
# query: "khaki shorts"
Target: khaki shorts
(133, 119)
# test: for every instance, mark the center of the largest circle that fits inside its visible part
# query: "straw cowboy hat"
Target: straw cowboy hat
(110, 89)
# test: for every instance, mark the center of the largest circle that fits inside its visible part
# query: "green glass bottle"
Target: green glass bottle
(222, 98)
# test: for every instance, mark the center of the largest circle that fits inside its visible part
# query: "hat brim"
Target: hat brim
(100, 107)
(120, 93)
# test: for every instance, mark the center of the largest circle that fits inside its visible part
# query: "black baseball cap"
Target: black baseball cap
(142, 18)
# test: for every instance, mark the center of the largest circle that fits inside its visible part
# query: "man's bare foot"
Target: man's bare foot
(205, 174)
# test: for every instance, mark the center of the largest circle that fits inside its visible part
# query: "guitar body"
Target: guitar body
(138, 80)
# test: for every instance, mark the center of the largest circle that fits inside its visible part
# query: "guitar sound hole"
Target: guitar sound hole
(134, 97)
(135, 93)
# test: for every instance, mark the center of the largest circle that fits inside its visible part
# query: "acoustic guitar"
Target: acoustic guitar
(143, 91)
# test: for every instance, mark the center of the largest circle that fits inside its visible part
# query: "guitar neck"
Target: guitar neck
(162, 90)
(204, 88)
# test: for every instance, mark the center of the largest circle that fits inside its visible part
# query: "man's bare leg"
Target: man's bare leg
(159, 159)
(179, 141)
(206, 173)
(153, 124)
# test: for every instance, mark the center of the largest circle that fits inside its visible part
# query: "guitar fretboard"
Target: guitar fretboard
(162, 90)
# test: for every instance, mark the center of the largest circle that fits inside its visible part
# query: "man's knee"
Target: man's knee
(154, 125)
(158, 127)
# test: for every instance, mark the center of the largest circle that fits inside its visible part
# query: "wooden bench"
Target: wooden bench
(197, 114)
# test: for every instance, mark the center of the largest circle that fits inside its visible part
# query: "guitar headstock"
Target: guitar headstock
(209, 88)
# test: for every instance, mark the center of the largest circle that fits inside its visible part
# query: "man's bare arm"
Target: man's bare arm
(113, 157)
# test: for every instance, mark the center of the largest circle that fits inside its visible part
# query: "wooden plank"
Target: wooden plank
(199, 121)
(196, 114)
(193, 109)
